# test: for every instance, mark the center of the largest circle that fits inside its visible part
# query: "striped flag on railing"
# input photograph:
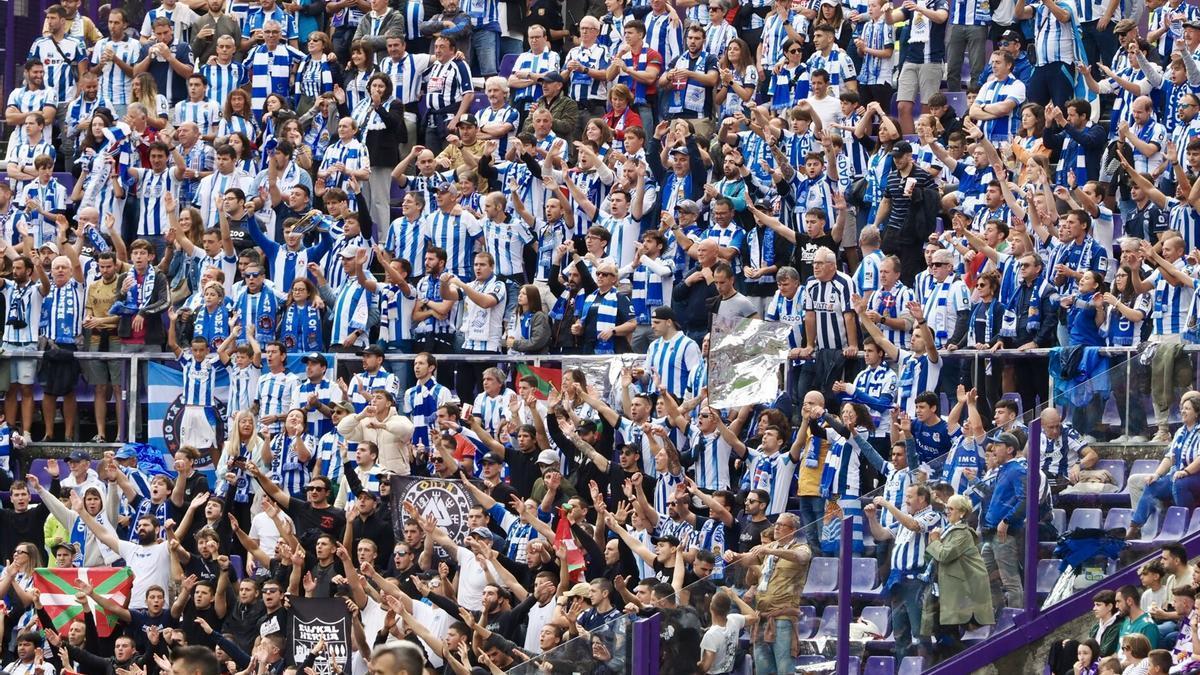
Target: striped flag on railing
(57, 587)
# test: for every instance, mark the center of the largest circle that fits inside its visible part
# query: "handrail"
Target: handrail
(1047, 622)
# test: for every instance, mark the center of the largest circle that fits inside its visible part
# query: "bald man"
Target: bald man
(63, 291)
(1147, 137)
(1066, 457)
(427, 179)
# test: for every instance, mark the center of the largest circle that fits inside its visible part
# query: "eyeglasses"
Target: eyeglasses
(314, 488)
(793, 51)
(399, 553)
(672, 503)
(252, 275)
(436, 460)
(1186, 105)
(1027, 264)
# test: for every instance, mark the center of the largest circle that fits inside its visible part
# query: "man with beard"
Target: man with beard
(149, 558)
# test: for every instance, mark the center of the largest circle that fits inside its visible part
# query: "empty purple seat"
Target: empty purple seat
(1007, 618)
(880, 665)
(1194, 525)
(506, 65)
(1047, 574)
(238, 565)
(479, 103)
(822, 579)
(807, 623)
(911, 665)
(862, 578)
(829, 623)
(881, 617)
(957, 101)
(1083, 518)
(1117, 518)
(1173, 525)
(1059, 518)
(1144, 466)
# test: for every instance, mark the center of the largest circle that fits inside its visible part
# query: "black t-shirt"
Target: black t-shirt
(680, 635)
(522, 470)
(195, 634)
(324, 578)
(806, 248)
(311, 522)
(748, 533)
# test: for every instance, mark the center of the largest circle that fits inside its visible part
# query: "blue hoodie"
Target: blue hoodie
(1008, 498)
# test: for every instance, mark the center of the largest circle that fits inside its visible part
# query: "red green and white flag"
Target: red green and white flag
(547, 378)
(58, 586)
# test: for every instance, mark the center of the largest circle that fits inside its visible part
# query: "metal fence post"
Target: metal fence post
(1033, 459)
(132, 398)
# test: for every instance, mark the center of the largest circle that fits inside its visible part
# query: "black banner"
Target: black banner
(316, 619)
(444, 499)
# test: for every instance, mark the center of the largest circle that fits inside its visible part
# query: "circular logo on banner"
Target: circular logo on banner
(446, 501)
(173, 423)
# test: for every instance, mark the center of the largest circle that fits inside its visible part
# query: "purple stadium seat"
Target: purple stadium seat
(957, 101)
(1047, 574)
(1083, 518)
(1144, 466)
(829, 622)
(881, 617)
(480, 102)
(822, 578)
(807, 622)
(1059, 518)
(880, 665)
(862, 579)
(506, 65)
(238, 565)
(1173, 525)
(1194, 524)
(1117, 518)
(1007, 618)
(1116, 467)
(911, 665)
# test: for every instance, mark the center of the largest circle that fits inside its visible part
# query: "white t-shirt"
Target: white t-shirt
(723, 640)
(263, 530)
(151, 566)
(539, 616)
(471, 580)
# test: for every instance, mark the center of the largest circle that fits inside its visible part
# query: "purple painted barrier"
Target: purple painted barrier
(1031, 531)
(645, 645)
(845, 565)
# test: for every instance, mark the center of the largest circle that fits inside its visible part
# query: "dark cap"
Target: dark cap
(367, 492)
(902, 148)
(315, 357)
(491, 458)
(1005, 438)
(664, 313)
(670, 539)
(63, 544)
(79, 456)
(1125, 25)
(688, 206)
(1012, 36)
(468, 119)
(373, 350)
(481, 533)
(552, 76)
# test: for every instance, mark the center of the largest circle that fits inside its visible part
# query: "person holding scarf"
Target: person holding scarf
(317, 73)
(88, 551)
(345, 164)
(242, 446)
(142, 298)
(300, 322)
(380, 121)
(841, 473)
(289, 454)
(62, 311)
(212, 320)
(605, 319)
(257, 306)
(637, 67)
(983, 333)
(690, 82)
(270, 65)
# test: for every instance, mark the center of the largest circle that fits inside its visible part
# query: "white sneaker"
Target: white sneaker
(1133, 440)
(1122, 439)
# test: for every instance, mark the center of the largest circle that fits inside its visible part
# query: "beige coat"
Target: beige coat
(395, 451)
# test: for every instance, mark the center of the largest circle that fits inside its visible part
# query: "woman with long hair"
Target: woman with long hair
(300, 322)
(530, 329)
(983, 333)
(345, 165)
(840, 475)
(276, 109)
(237, 116)
(302, 153)
(879, 164)
(317, 72)
(99, 158)
(783, 88)
(243, 446)
(1028, 140)
(17, 579)
(1124, 329)
(738, 79)
(356, 75)
(596, 131)
(245, 152)
(145, 91)
(211, 320)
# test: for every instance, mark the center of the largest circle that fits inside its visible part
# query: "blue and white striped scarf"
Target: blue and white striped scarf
(314, 78)
(270, 72)
(606, 316)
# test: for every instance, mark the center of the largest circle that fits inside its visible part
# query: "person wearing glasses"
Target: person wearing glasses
(312, 516)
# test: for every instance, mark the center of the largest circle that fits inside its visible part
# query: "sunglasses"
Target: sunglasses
(793, 51)
(606, 274)
(314, 488)
(252, 275)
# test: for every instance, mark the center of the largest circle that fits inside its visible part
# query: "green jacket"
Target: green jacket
(964, 593)
(1144, 625)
